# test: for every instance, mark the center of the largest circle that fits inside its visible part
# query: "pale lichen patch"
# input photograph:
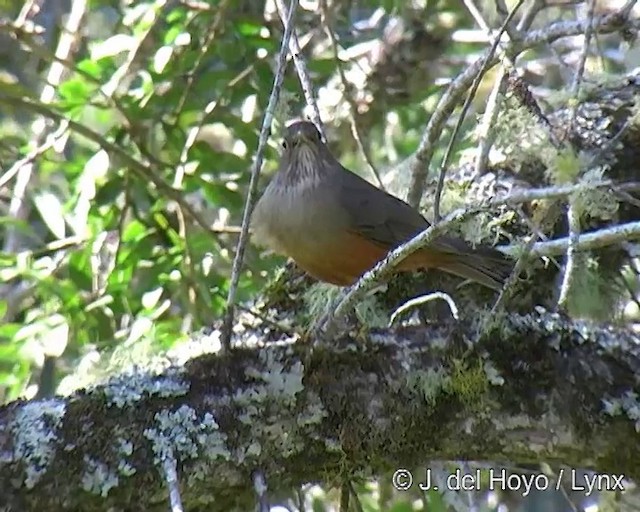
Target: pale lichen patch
(35, 438)
(314, 412)
(281, 383)
(129, 388)
(275, 383)
(184, 435)
(98, 478)
(493, 374)
(628, 404)
(124, 449)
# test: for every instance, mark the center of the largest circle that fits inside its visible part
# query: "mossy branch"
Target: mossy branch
(534, 387)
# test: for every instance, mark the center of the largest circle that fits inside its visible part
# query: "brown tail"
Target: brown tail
(484, 265)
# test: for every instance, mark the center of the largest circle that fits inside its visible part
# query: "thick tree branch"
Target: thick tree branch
(532, 388)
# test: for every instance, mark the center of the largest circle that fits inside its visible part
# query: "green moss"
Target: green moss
(565, 167)
(468, 384)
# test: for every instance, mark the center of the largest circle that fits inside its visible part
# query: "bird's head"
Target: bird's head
(304, 153)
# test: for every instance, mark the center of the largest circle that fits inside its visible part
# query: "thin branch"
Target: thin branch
(356, 499)
(227, 325)
(509, 286)
(421, 159)
(472, 93)
(586, 241)
(171, 474)
(345, 494)
(301, 69)
(50, 141)
(423, 299)
(29, 9)
(353, 109)
(486, 134)
(197, 6)
(573, 215)
(577, 81)
(571, 265)
(260, 488)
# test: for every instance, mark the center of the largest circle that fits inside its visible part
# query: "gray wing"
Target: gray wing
(377, 215)
(385, 218)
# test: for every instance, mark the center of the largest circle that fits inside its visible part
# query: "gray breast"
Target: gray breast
(297, 219)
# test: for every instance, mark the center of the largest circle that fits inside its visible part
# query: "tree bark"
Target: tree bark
(518, 389)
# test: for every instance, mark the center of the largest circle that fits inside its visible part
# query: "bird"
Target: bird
(336, 225)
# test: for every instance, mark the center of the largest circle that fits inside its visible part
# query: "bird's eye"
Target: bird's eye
(284, 144)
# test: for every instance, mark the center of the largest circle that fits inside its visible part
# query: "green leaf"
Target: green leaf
(75, 92)
(91, 67)
(79, 270)
(7, 332)
(247, 28)
(219, 194)
(134, 232)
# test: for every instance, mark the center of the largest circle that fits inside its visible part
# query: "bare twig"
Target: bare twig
(227, 325)
(612, 22)
(573, 215)
(29, 159)
(301, 69)
(29, 9)
(509, 285)
(345, 494)
(467, 103)
(356, 499)
(423, 299)
(485, 132)
(571, 265)
(585, 241)
(197, 6)
(353, 109)
(577, 80)
(169, 465)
